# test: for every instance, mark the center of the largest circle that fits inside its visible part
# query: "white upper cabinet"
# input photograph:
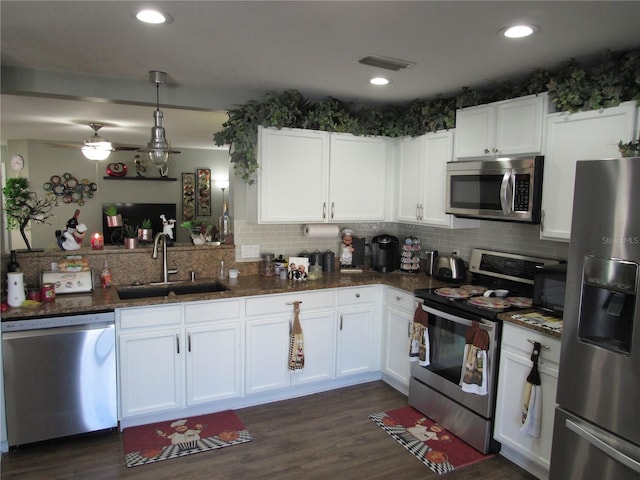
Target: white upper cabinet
(502, 128)
(312, 176)
(587, 135)
(421, 181)
(293, 177)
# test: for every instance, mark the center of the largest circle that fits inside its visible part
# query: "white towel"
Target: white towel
(531, 424)
(474, 375)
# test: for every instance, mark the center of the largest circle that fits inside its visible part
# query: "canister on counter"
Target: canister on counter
(267, 265)
(47, 292)
(33, 293)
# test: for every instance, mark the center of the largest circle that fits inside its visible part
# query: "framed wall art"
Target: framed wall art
(204, 192)
(188, 196)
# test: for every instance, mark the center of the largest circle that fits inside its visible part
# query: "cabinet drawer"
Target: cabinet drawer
(401, 300)
(149, 316)
(519, 339)
(213, 310)
(355, 295)
(271, 304)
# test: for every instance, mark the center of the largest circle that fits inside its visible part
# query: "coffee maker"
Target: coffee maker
(385, 253)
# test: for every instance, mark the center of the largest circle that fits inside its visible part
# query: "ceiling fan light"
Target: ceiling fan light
(155, 17)
(91, 152)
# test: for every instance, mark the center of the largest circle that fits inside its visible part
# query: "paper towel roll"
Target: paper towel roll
(321, 230)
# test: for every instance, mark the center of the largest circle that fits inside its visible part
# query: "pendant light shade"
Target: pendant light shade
(158, 147)
(96, 148)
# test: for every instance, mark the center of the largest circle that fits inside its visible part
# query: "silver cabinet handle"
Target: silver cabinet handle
(324, 209)
(178, 343)
(358, 295)
(341, 318)
(189, 342)
(592, 437)
(333, 209)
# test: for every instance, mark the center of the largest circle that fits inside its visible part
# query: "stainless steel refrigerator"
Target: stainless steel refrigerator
(597, 421)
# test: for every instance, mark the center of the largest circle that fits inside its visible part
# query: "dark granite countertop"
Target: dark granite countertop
(534, 320)
(105, 299)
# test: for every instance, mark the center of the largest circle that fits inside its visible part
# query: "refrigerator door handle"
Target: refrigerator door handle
(592, 437)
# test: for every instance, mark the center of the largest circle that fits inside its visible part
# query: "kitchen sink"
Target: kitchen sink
(179, 288)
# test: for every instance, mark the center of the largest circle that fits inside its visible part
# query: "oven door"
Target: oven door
(446, 347)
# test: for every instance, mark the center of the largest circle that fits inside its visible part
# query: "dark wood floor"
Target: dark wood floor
(323, 436)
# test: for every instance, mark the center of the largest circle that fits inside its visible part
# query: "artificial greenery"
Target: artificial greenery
(629, 149)
(23, 206)
(198, 226)
(572, 87)
(111, 210)
(130, 231)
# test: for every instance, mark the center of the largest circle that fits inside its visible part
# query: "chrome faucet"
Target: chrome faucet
(165, 268)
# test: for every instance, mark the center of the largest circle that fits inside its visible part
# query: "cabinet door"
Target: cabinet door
(214, 362)
(410, 172)
(397, 332)
(358, 174)
(151, 366)
(475, 131)
(520, 123)
(571, 137)
(267, 347)
(355, 341)
(293, 177)
(514, 369)
(318, 329)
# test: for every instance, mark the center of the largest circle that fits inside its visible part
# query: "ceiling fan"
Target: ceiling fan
(96, 147)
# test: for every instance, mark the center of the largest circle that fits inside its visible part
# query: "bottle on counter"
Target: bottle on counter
(13, 266)
(225, 225)
(105, 276)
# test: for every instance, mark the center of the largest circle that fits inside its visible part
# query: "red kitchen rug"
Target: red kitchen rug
(176, 438)
(434, 446)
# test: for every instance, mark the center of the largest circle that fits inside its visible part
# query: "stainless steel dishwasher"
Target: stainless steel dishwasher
(59, 376)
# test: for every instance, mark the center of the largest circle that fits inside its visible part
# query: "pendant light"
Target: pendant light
(96, 148)
(158, 147)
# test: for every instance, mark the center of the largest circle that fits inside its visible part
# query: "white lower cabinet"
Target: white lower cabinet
(172, 356)
(150, 353)
(397, 329)
(356, 336)
(268, 322)
(532, 454)
(214, 350)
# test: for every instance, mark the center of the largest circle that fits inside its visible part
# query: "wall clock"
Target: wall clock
(17, 163)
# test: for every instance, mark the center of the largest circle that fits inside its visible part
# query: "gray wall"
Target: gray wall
(42, 161)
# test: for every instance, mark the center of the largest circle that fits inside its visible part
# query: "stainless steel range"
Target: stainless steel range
(436, 389)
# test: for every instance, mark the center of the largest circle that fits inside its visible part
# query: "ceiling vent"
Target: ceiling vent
(386, 63)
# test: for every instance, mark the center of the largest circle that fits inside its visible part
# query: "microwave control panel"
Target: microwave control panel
(521, 193)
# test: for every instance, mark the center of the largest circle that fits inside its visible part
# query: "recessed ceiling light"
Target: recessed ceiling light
(153, 16)
(379, 81)
(519, 31)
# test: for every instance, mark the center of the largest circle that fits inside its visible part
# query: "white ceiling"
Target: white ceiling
(227, 52)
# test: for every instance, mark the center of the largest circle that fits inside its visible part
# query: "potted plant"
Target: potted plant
(629, 149)
(199, 229)
(114, 219)
(130, 236)
(22, 206)
(145, 232)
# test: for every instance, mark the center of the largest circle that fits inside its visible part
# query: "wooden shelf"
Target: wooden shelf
(148, 179)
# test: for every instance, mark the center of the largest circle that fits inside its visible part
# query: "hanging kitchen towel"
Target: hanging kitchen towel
(421, 316)
(296, 341)
(474, 368)
(532, 397)
(419, 345)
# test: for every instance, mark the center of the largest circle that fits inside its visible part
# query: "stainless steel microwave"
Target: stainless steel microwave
(507, 189)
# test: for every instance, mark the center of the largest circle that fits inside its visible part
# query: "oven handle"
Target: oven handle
(453, 318)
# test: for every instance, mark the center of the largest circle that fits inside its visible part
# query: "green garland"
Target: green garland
(573, 87)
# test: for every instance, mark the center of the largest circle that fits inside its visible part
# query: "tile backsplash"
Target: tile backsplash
(501, 236)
